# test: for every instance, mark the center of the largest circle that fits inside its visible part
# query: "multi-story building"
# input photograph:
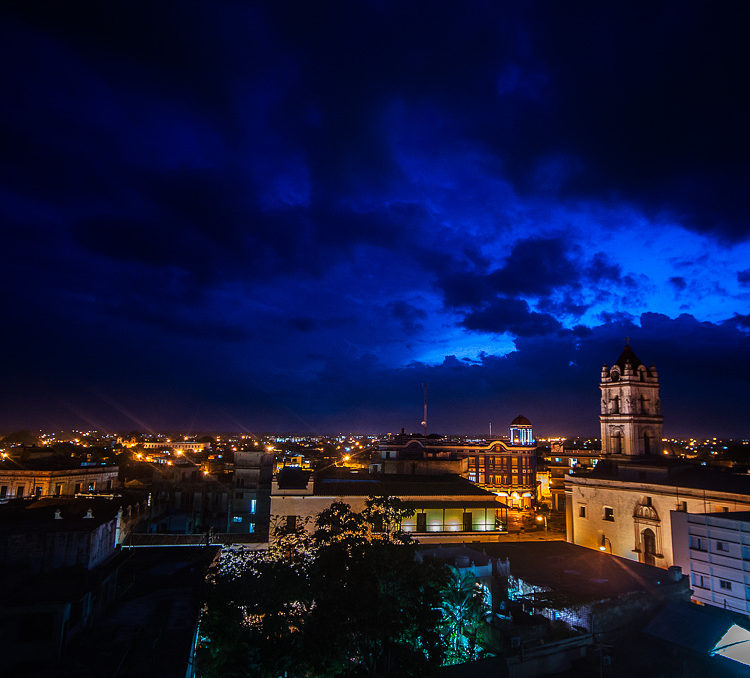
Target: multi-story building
(53, 478)
(251, 496)
(714, 549)
(505, 467)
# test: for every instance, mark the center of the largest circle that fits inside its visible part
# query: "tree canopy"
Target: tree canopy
(347, 599)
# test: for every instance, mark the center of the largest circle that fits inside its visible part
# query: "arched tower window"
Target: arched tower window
(616, 405)
(644, 406)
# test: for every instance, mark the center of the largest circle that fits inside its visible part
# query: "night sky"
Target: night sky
(287, 216)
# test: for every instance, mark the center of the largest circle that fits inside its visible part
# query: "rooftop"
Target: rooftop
(394, 484)
(576, 573)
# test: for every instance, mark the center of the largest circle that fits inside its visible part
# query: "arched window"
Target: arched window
(616, 405)
(644, 406)
(617, 442)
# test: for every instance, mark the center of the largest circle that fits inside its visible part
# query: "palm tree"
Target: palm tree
(464, 608)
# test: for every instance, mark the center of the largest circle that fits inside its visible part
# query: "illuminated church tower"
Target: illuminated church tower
(631, 421)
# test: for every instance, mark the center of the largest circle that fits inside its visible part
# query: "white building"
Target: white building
(714, 549)
(624, 506)
(627, 508)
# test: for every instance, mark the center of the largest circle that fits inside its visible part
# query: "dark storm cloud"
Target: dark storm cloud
(189, 191)
(510, 315)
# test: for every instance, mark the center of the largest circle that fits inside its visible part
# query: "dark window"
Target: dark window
(697, 544)
(3, 491)
(722, 546)
(682, 506)
(58, 489)
(726, 585)
(291, 522)
(467, 522)
(19, 492)
(421, 522)
(581, 511)
(609, 514)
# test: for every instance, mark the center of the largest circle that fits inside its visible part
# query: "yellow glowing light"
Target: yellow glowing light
(179, 453)
(346, 457)
(602, 548)
(539, 519)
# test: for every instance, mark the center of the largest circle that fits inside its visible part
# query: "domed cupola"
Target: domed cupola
(521, 432)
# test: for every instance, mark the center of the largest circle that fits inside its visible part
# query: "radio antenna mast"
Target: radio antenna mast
(424, 420)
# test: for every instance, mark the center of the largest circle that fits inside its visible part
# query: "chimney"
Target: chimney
(674, 573)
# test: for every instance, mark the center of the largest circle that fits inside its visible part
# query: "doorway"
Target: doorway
(649, 546)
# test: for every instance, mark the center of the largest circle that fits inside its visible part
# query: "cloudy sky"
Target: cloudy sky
(287, 216)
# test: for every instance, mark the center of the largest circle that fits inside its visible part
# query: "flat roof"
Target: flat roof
(397, 485)
(575, 573)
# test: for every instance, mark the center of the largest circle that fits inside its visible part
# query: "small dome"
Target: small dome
(520, 420)
(628, 356)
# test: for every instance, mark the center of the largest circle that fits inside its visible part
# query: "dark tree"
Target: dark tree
(349, 600)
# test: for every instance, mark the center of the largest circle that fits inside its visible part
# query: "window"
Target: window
(724, 584)
(291, 522)
(682, 506)
(725, 509)
(78, 487)
(38, 491)
(252, 506)
(19, 492)
(697, 543)
(581, 511)
(609, 514)
(236, 519)
(58, 489)
(722, 546)
(3, 491)
(91, 487)
(250, 527)
(699, 581)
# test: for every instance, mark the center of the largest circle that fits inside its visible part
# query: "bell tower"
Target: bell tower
(630, 418)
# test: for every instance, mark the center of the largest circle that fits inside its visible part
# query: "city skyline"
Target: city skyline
(263, 218)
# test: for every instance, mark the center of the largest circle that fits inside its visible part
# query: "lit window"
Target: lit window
(251, 527)
(236, 519)
(609, 514)
(252, 506)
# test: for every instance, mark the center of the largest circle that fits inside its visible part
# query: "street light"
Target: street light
(603, 546)
(542, 518)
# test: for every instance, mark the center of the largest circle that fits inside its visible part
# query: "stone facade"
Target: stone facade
(630, 418)
(632, 518)
(23, 482)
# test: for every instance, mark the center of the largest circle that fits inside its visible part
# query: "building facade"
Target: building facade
(18, 483)
(627, 510)
(446, 508)
(714, 549)
(507, 468)
(630, 416)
